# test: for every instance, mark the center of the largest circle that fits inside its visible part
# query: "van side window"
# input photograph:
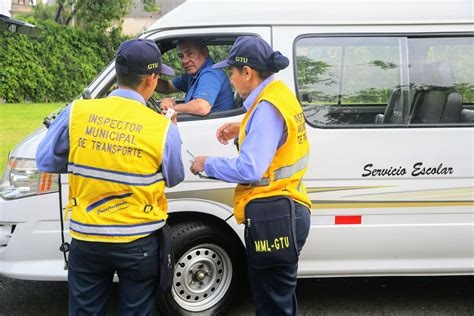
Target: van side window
(441, 80)
(385, 81)
(218, 50)
(170, 57)
(348, 80)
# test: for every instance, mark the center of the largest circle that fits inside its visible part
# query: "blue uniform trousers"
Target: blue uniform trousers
(91, 270)
(273, 289)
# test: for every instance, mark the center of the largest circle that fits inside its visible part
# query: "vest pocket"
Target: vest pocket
(270, 232)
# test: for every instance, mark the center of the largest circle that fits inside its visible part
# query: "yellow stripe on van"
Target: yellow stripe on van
(442, 194)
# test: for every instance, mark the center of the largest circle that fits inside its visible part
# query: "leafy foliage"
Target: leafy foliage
(311, 71)
(371, 95)
(101, 15)
(150, 6)
(55, 66)
(383, 65)
(98, 16)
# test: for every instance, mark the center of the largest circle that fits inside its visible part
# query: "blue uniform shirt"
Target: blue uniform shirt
(209, 84)
(53, 151)
(266, 132)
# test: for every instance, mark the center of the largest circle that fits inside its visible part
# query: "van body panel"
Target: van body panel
(27, 147)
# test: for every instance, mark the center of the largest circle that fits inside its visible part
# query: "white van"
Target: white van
(387, 90)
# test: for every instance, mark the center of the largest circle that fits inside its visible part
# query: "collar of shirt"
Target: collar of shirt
(207, 63)
(129, 94)
(256, 92)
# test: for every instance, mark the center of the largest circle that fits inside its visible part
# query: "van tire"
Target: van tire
(208, 253)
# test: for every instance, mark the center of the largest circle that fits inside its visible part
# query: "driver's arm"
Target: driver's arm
(196, 107)
(165, 86)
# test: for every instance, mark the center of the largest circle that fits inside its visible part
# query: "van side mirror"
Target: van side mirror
(86, 94)
(50, 118)
(306, 97)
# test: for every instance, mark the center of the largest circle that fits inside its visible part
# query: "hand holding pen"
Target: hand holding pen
(197, 165)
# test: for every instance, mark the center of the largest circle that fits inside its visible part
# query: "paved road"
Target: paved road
(345, 296)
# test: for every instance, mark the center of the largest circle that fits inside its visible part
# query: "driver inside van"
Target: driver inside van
(207, 89)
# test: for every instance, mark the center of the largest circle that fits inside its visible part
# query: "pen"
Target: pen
(192, 156)
(199, 173)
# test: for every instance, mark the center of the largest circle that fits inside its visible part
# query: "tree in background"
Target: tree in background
(100, 16)
(66, 56)
(91, 14)
(56, 66)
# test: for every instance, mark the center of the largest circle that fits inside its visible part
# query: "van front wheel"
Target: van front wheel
(208, 270)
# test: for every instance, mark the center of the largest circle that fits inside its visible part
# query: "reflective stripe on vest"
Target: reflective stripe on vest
(115, 230)
(288, 171)
(284, 172)
(114, 176)
(260, 183)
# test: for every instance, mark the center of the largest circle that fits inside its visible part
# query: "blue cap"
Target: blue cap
(254, 52)
(140, 57)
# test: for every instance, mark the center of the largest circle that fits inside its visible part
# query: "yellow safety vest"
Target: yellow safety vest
(116, 189)
(285, 174)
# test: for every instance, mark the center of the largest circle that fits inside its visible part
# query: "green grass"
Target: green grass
(19, 120)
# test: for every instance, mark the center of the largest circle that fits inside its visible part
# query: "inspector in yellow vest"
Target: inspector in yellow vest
(285, 174)
(116, 189)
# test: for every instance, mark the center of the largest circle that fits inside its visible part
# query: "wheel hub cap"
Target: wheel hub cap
(202, 277)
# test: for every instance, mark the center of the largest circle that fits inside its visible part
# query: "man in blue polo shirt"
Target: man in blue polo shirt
(207, 89)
